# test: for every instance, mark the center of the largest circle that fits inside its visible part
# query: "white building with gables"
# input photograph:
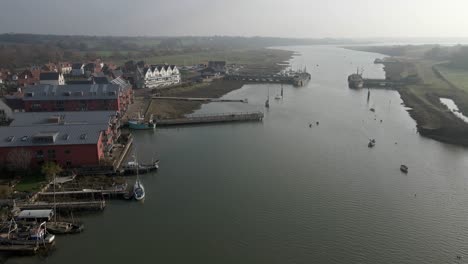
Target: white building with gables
(158, 76)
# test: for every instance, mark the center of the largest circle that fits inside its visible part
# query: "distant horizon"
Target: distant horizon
(317, 19)
(235, 36)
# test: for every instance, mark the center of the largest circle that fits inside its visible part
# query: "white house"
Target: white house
(52, 78)
(65, 67)
(157, 76)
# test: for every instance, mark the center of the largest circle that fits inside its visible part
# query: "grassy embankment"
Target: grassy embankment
(437, 79)
(271, 60)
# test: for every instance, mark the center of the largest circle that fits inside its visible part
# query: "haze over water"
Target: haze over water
(282, 192)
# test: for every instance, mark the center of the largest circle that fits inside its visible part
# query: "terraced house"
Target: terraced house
(158, 76)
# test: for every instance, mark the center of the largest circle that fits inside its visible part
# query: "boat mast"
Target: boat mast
(55, 202)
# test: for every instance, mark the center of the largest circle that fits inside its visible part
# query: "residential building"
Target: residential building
(65, 67)
(157, 76)
(84, 97)
(70, 139)
(77, 69)
(26, 78)
(215, 69)
(51, 78)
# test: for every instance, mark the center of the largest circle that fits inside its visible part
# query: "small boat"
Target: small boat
(132, 166)
(60, 228)
(139, 123)
(404, 168)
(277, 97)
(267, 102)
(138, 190)
(372, 109)
(27, 234)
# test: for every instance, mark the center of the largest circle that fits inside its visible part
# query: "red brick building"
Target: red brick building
(86, 97)
(70, 139)
(26, 78)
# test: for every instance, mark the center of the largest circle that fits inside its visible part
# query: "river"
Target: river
(283, 192)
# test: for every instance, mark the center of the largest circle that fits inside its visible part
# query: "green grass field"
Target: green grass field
(457, 76)
(30, 183)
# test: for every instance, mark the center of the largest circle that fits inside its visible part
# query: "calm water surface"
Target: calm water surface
(281, 192)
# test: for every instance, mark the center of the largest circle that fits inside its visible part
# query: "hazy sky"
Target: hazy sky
(286, 18)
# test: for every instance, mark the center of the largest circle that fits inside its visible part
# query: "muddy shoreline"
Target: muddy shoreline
(165, 109)
(433, 119)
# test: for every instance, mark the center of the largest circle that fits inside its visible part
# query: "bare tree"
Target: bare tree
(19, 159)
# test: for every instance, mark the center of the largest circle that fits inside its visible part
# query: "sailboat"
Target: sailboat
(138, 189)
(267, 102)
(56, 227)
(278, 97)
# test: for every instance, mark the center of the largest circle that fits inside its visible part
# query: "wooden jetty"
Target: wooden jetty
(380, 83)
(297, 79)
(86, 193)
(197, 99)
(19, 249)
(217, 118)
(72, 206)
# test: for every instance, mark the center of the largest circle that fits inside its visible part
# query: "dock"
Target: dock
(296, 79)
(380, 83)
(20, 249)
(199, 99)
(86, 193)
(216, 118)
(98, 205)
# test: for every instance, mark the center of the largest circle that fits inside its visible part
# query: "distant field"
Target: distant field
(257, 56)
(457, 76)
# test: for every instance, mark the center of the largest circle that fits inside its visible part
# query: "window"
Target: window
(51, 153)
(67, 151)
(40, 154)
(68, 163)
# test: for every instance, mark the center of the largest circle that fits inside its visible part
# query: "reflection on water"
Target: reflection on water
(453, 108)
(283, 192)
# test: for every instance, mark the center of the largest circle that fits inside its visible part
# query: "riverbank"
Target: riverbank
(163, 109)
(433, 119)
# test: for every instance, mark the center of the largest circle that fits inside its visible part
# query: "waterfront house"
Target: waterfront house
(70, 139)
(65, 67)
(51, 78)
(158, 76)
(83, 97)
(215, 69)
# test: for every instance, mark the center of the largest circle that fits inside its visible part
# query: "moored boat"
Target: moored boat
(355, 80)
(404, 168)
(138, 190)
(59, 228)
(139, 123)
(27, 234)
(132, 166)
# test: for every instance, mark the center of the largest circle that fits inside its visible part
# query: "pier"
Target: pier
(217, 118)
(379, 83)
(199, 99)
(67, 206)
(298, 79)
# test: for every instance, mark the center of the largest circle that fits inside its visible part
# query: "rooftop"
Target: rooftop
(73, 92)
(40, 135)
(63, 118)
(49, 76)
